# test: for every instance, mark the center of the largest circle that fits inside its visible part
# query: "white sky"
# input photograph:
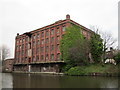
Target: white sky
(19, 16)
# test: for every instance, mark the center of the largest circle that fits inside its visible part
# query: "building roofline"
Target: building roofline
(9, 59)
(89, 30)
(57, 23)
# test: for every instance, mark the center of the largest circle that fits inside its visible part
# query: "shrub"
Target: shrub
(76, 71)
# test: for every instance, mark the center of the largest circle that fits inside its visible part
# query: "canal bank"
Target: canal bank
(52, 73)
(94, 70)
(91, 70)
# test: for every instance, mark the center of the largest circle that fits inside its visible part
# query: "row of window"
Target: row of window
(42, 57)
(38, 50)
(42, 35)
(27, 46)
(46, 49)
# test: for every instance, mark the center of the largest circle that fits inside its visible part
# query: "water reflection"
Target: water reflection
(0, 80)
(89, 82)
(54, 81)
(7, 80)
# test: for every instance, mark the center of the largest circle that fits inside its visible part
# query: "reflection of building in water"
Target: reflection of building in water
(35, 81)
(40, 48)
(111, 82)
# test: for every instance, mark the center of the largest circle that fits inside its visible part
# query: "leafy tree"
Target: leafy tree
(72, 46)
(78, 54)
(117, 57)
(108, 40)
(96, 47)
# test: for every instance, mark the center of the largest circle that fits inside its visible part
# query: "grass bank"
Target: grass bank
(94, 70)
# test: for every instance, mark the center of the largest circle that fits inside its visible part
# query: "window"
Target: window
(38, 35)
(85, 37)
(58, 31)
(42, 41)
(52, 39)
(52, 47)
(58, 38)
(52, 56)
(42, 49)
(37, 50)
(20, 46)
(58, 46)
(21, 59)
(22, 52)
(23, 40)
(52, 31)
(38, 42)
(17, 54)
(34, 37)
(34, 58)
(20, 40)
(25, 58)
(63, 28)
(42, 34)
(37, 58)
(33, 44)
(47, 57)
(26, 53)
(47, 33)
(26, 46)
(17, 48)
(17, 41)
(47, 48)
(58, 56)
(42, 57)
(47, 40)
(33, 51)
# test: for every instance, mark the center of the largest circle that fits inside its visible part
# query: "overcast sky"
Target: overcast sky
(19, 16)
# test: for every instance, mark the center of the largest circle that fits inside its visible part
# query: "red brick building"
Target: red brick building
(38, 50)
(8, 65)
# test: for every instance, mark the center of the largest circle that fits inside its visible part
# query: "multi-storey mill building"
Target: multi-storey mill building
(38, 50)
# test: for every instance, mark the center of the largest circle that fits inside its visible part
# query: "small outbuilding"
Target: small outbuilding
(8, 65)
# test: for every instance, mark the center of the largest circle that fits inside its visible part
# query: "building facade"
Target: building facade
(8, 65)
(38, 50)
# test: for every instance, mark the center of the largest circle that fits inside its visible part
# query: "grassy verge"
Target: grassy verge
(95, 69)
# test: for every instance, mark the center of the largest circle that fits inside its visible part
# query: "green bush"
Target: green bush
(76, 71)
(89, 69)
(66, 67)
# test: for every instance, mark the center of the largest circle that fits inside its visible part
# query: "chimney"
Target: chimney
(17, 34)
(67, 16)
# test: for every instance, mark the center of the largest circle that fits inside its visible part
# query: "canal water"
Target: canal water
(16, 80)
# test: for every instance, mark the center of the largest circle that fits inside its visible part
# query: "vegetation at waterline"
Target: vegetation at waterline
(83, 56)
(97, 69)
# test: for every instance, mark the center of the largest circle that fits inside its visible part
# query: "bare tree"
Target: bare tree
(108, 40)
(4, 52)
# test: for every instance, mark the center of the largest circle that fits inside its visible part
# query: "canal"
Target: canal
(54, 81)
